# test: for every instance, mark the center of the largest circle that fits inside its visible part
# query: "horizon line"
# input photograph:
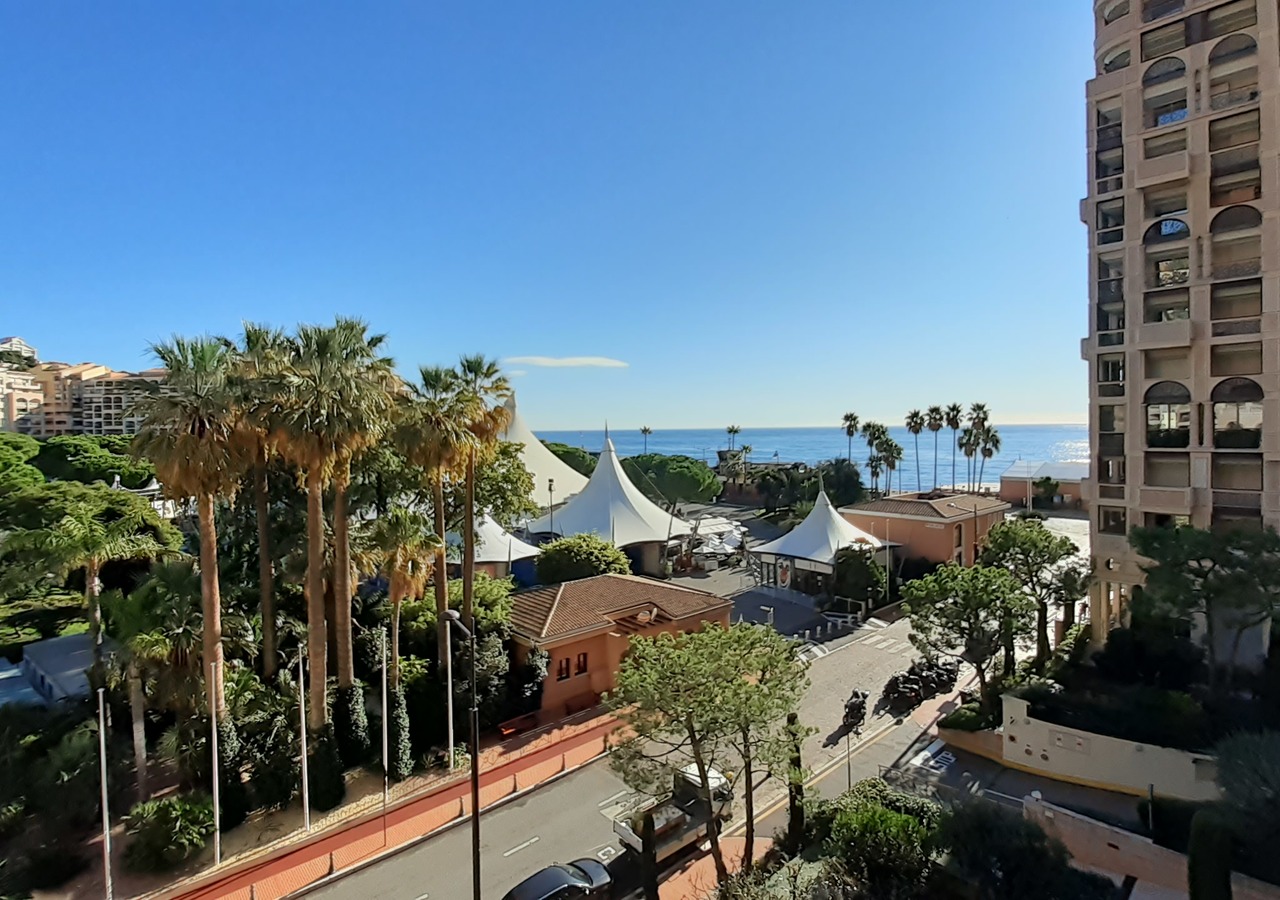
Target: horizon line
(656, 428)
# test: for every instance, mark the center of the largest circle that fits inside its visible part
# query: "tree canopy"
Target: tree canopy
(580, 556)
(574, 457)
(89, 458)
(672, 479)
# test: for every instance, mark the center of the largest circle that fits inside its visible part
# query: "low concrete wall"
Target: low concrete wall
(1101, 846)
(1067, 754)
(987, 744)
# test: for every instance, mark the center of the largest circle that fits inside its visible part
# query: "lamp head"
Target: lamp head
(454, 618)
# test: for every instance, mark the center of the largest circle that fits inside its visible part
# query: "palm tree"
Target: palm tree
(82, 542)
(915, 425)
(744, 461)
(733, 431)
(979, 415)
(891, 453)
(934, 418)
(335, 402)
(432, 435)
(970, 441)
(989, 446)
(403, 546)
(646, 431)
(954, 415)
(875, 463)
(259, 355)
(485, 391)
(189, 433)
(850, 424)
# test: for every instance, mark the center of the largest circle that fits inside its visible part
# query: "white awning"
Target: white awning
(542, 464)
(613, 508)
(819, 536)
(493, 544)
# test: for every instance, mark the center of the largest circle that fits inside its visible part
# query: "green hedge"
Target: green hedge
(166, 833)
(969, 717)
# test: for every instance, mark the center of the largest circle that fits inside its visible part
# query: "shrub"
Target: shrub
(969, 717)
(883, 850)
(233, 798)
(274, 771)
(68, 780)
(1141, 714)
(165, 833)
(878, 792)
(400, 745)
(580, 556)
(324, 771)
(11, 816)
(351, 725)
(1209, 857)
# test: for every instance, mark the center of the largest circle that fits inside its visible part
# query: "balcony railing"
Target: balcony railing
(1110, 338)
(1237, 326)
(1110, 137)
(1111, 183)
(1111, 389)
(1242, 158)
(1243, 268)
(1228, 99)
(1160, 9)
(1237, 439)
(1111, 491)
(1169, 438)
(1238, 499)
(1111, 290)
(1231, 196)
(1111, 443)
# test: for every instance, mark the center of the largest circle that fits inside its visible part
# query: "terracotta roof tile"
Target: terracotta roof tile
(936, 507)
(548, 613)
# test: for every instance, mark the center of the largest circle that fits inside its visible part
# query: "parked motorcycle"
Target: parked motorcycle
(855, 709)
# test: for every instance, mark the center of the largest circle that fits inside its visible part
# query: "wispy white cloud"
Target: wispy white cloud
(516, 373)
(567, 362)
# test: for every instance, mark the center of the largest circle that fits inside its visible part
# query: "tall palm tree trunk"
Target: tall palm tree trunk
(93, 609)
(137, 708)
(266, 571)
(469, 539)
(441, 576)
(953, 458)
(212, 630)
(850, 452)
(318, 716)
(935, 460)
(397, 597)
(919, 486)
(749, 801)
(342, 582)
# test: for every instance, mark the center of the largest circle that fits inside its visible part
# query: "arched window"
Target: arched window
(1168, 406)
(1115, 11)
(1167, 230)
(1114, 60)
(1236, 218)
(1163, 70)
(1237, 414)
(1233, 47)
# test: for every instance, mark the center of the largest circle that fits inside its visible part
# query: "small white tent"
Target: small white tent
(542, 464)
(613, 508)
(818, 537)
(493, 544)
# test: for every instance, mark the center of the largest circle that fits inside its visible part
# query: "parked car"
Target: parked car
(582, 879)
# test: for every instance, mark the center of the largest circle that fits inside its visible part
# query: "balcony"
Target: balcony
(1167, 500)
(1170, 167)
(1241, 268)
(1237, 500)
(1237, 439)
(1109, 184)
(1110, 492)
(1240, 97)
(1111, 443)
(1175, 333)
(1160, 8)
(1236, 327)
(1111, 290)
(1169, 438)
(1111, 389)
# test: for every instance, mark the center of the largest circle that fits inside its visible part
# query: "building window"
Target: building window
(1111, 418)
(1111, 221)
(562, 670)
(580, 667)
(1111, 520)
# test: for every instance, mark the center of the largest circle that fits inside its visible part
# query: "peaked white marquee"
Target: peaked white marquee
(819, 536)
(542, 464)
(493, 543)
(613, 508)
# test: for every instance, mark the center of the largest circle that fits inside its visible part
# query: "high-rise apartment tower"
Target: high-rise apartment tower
(1183, 215)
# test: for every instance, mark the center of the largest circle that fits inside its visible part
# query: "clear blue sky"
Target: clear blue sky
(770, 212)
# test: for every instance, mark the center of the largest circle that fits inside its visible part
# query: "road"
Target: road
(564, 821)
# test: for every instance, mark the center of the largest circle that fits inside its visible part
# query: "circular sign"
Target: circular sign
(784, 573)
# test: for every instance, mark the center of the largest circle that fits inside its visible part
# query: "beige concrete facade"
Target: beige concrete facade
(1183, 213)
(20, 397)
(86, 398)
(938, 527)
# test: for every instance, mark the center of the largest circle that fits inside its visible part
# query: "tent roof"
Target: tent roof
(1036, 469)
(542, 464)
(819, 536)
(613, 508)
(494, 544)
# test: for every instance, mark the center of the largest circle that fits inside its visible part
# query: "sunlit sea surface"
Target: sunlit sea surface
(1048, 443)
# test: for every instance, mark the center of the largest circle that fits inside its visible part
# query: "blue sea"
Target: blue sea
(1047, 443)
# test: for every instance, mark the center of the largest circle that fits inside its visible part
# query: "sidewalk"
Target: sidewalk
(271, 855)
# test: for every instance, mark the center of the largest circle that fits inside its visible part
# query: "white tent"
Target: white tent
(712, 525)
(493, 544)
(613, 508)
(819, 536)
(542, 464)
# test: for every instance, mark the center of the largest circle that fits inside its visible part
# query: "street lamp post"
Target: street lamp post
(975, 527)
(469, 635)
(551, 492)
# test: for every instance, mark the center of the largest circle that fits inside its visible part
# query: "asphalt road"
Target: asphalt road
(565, 821)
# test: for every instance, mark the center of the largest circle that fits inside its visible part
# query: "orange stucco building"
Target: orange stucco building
(938, 526)
(586, 627)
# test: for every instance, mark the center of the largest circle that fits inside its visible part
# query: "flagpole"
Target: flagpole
(213, 743)
(448, 699)
(106, 812)
(302, 734)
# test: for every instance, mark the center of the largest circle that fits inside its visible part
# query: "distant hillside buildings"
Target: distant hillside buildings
(52, 398)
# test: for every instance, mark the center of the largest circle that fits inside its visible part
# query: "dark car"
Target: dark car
(582, 878)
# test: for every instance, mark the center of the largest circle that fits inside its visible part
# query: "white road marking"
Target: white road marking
(518, 847)
(607, 853)
(606, 802)
(887, 642)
